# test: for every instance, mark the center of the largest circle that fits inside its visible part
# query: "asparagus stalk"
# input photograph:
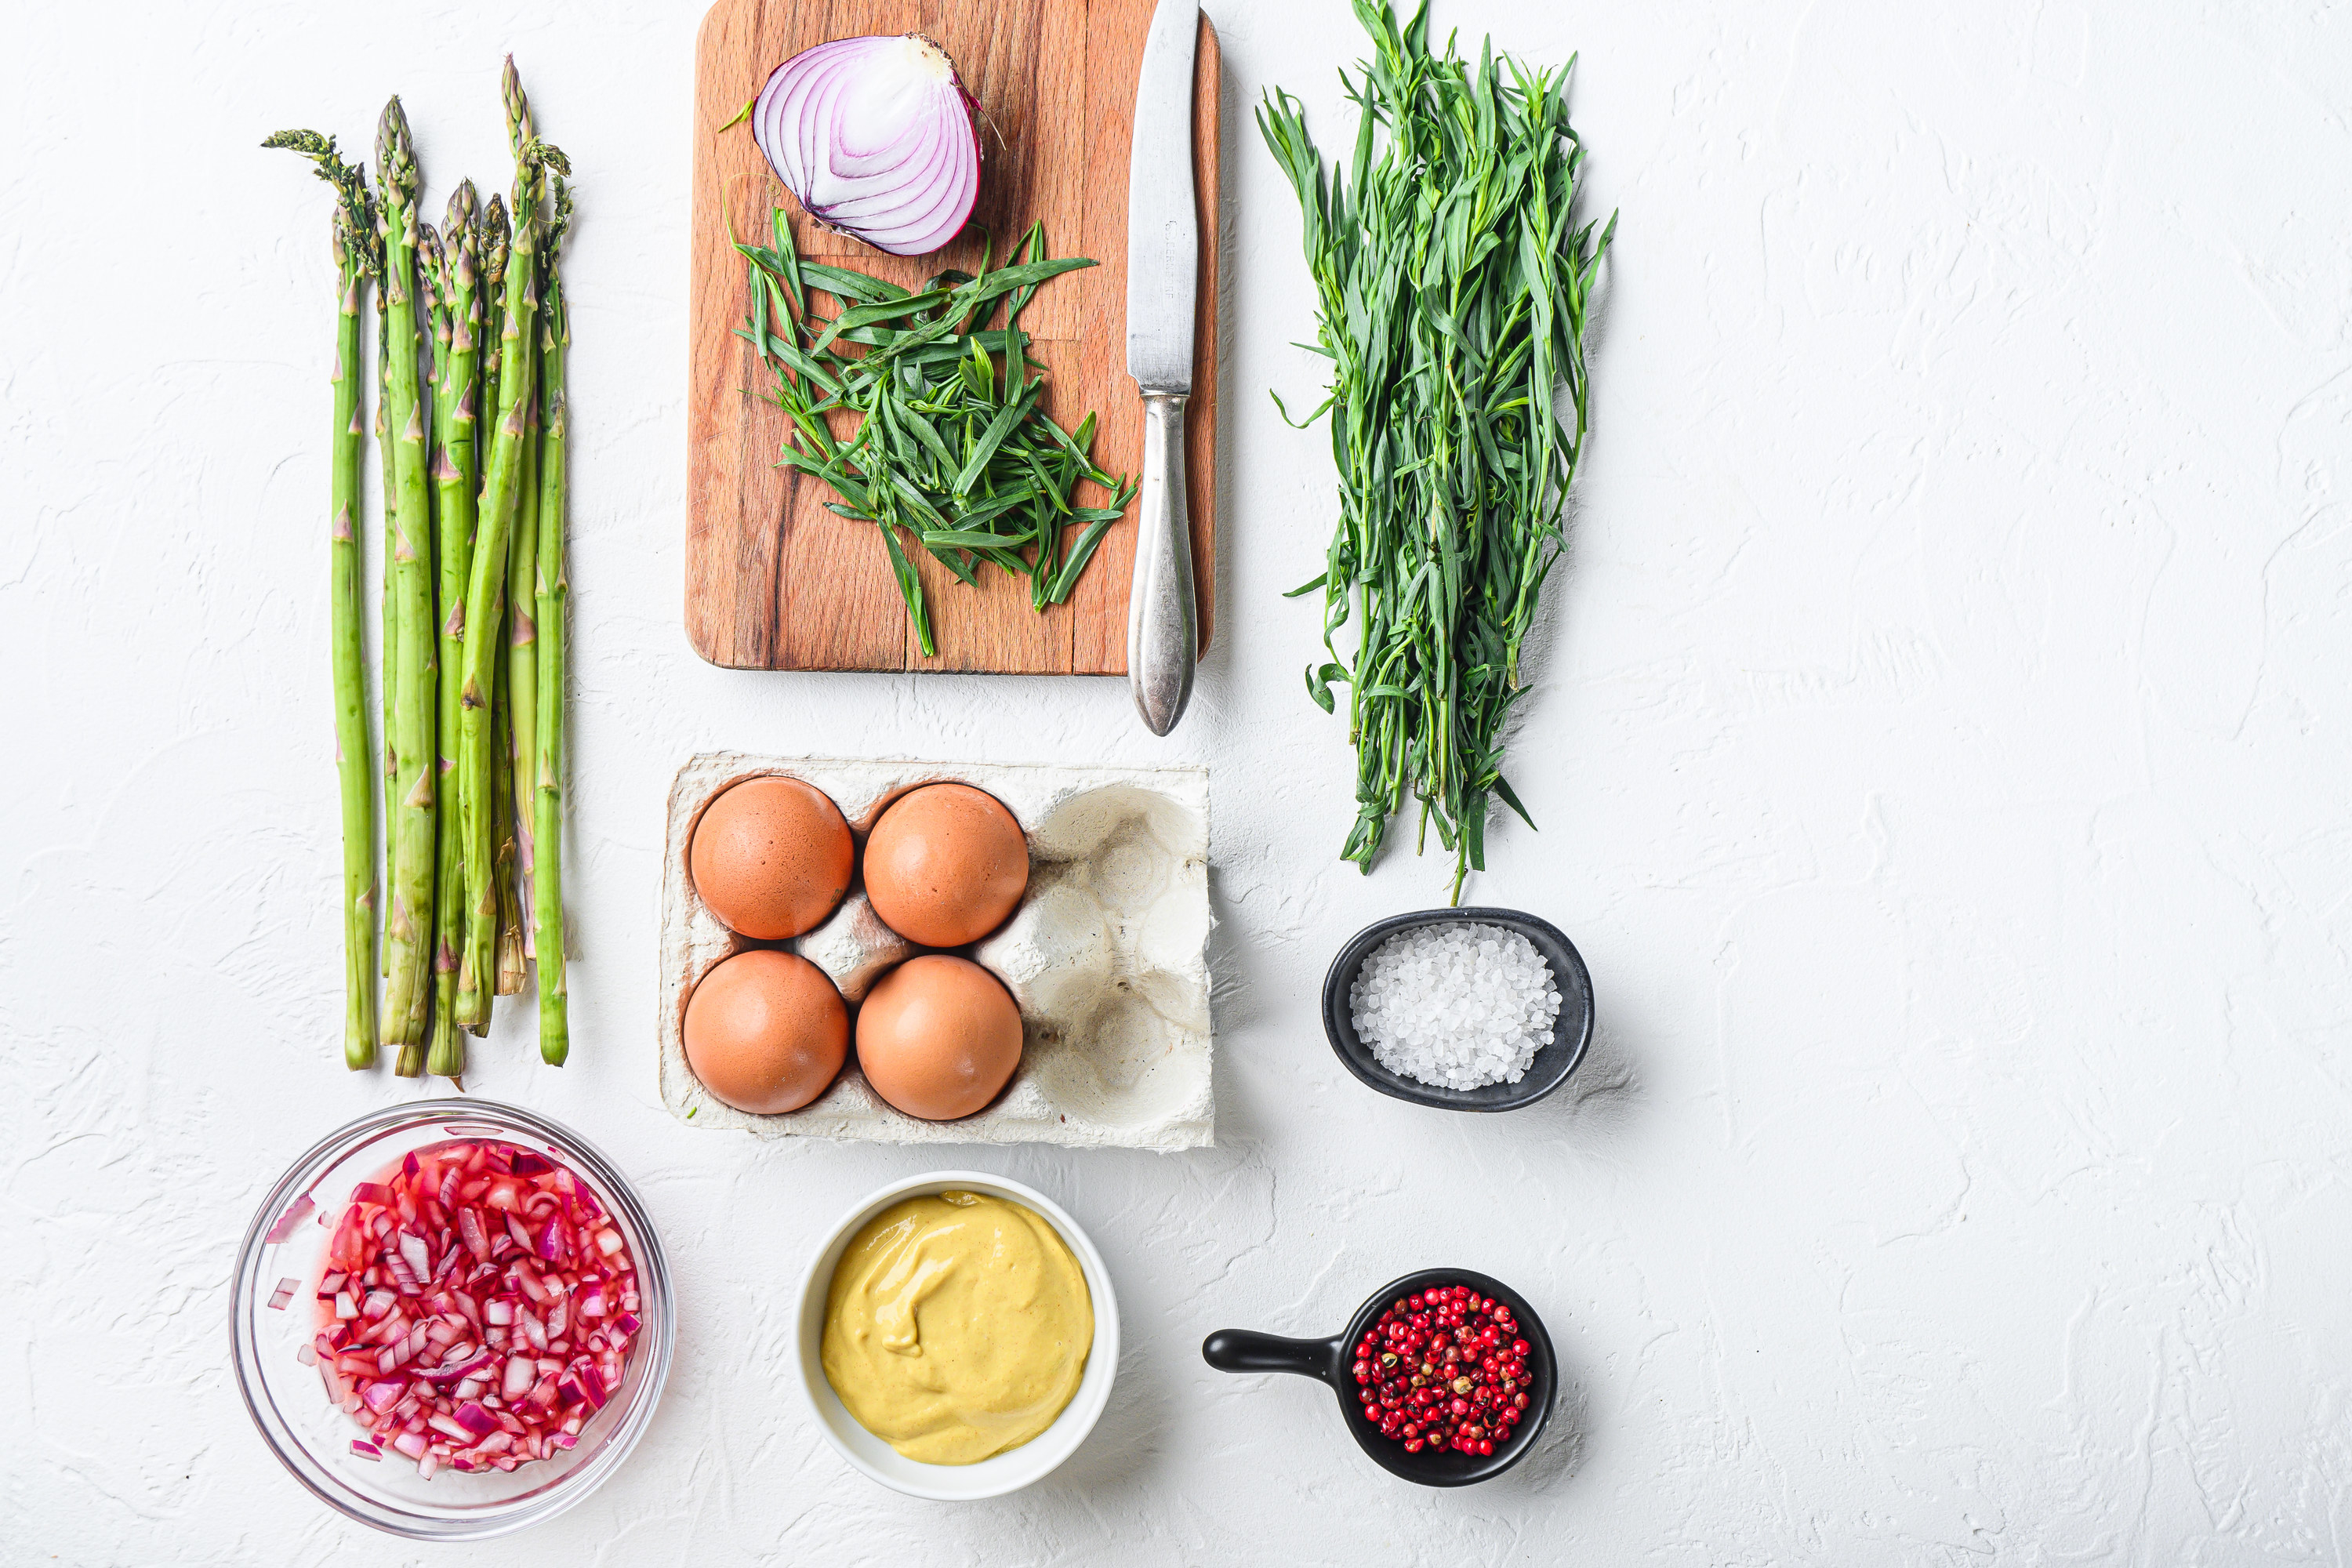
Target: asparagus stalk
(387, 624)
(408, 922)
(433, 327)
(476, 980)
(353, 240)
(485, 598)
(519, 706)
(522, 682)
(502, 809)
(456, 326)
(554, 590)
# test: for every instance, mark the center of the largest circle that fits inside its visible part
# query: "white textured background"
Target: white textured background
(1942, 751)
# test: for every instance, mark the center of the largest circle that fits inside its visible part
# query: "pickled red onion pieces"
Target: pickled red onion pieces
(285, 1223)
(476, 1239)
(475, 1309)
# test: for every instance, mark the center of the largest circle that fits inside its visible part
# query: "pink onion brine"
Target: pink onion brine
(476, 1310)
(876, 138)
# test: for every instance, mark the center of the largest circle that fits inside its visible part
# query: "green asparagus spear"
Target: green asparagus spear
(476, 979)
(554, 590)
(354, 242)
(433, 327)
(520, 712)
(502, 813)
(387, 624)
(485, 597)
(433, 287)
(408, 924)
(457, 326)
(522, 682)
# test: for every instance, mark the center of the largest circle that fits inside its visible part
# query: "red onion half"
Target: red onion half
(878, 139)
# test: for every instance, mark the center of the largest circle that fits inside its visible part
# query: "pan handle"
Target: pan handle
(1244, 1350)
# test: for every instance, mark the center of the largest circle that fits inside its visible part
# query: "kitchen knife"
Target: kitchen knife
(1163, 267)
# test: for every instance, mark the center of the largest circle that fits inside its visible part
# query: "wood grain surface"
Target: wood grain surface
(773, 581)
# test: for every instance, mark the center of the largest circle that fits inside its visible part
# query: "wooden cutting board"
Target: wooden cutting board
(773, 581)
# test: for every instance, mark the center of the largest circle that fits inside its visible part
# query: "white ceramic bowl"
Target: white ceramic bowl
(1008, 1471)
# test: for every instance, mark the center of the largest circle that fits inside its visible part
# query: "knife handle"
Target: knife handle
(1162, 637)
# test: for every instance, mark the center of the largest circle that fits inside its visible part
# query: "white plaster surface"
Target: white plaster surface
(1942, 748)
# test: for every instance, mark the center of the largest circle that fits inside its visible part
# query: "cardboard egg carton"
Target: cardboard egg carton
(1107, 954)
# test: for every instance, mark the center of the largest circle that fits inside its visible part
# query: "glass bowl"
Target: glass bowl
(288, 1240)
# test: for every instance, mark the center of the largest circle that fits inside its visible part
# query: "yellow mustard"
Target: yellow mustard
(957, 1326)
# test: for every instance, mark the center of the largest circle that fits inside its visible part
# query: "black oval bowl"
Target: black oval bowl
(1328, 1361)
(1571, 1032)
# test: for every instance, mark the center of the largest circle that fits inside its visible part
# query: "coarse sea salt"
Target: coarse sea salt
(1457, 1006)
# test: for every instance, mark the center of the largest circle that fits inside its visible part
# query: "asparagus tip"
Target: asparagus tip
(561, 219)
(395, 154)
(462, 204)
(518, 104)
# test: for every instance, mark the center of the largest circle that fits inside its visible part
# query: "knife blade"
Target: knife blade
(1163, 238)
(1163, 274)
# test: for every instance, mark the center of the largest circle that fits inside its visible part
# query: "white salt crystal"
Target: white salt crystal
(1458, 1006)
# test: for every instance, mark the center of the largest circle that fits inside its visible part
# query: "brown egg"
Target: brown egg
(937, 1036)
(771, 858)
(945, 865)
(766, 1032)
